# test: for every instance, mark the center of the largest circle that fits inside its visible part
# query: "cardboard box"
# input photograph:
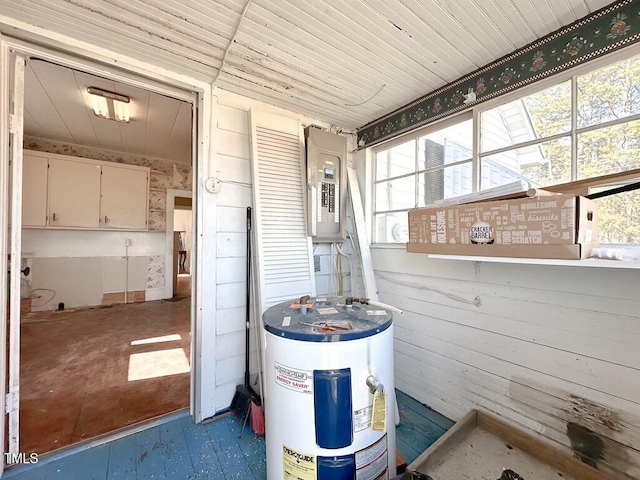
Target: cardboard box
(559, 226)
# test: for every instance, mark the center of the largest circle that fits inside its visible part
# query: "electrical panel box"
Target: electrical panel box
(326, 184)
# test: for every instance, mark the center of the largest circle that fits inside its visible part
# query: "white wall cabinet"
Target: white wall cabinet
(34, 190)
(74, 194)
(60, 191)
(124, 198)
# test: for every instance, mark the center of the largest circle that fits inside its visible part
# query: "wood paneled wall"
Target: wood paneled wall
(552, 349)
(234, 172)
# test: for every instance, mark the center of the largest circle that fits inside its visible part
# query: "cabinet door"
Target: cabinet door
(74, 194)
(34, 190)
(124, 198)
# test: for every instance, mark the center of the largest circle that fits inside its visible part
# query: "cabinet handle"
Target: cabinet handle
(54, 217)
(106, 219)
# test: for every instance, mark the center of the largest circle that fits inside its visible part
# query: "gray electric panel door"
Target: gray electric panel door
(326, 183)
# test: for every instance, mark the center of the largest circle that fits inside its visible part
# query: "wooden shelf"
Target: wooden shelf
(587, 262)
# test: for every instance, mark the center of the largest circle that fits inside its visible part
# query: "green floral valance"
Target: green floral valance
(611, 28)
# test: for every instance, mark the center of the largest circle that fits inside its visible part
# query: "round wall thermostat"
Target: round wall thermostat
(212, 185)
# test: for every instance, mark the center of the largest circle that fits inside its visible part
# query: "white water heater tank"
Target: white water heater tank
(321, 368)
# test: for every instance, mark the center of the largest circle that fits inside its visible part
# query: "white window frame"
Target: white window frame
(475, 112)
(415, 135)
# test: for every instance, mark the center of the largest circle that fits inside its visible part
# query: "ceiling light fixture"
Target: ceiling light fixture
(109, 105)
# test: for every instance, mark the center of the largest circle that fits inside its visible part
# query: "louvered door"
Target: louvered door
(284, 257)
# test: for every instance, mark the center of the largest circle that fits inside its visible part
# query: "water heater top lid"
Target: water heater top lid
(325, 320)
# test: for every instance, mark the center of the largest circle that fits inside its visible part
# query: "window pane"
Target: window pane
(444, 183)
(543, 164)
(396, 194)
(609, 150)
(538, 115)
(449, 145)
(619, 217)
(609, 93)
(396, 161)
(392, 228)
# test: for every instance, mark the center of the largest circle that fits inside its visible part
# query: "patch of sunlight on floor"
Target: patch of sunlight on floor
(165, 338)
(159, 363)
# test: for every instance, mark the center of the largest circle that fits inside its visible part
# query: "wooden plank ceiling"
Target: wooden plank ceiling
(347, 62)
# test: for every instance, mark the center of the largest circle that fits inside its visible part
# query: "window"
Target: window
(528, 139)
(430, 167)
(585, 125)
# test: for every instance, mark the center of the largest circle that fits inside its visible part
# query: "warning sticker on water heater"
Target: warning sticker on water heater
(372, 462)
(293, 378)
(298, 465)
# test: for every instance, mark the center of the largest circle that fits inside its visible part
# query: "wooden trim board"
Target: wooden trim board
(368, 275)
(453, 436)
(518, 438)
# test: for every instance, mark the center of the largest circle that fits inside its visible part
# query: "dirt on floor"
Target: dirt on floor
(90, 371)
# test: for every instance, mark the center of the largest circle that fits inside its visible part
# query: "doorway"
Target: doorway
(178, 243)
(182, 239)
(101, 348)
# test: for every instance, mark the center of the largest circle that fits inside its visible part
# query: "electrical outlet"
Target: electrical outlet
(316, 263)
(25, 269)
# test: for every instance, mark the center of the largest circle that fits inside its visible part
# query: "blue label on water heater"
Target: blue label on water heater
(332, 408)
(337, 468)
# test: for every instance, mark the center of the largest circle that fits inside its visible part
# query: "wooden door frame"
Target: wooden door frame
(11, 123)
(85, 57)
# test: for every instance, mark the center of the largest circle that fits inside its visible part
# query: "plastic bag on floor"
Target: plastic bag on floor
(510, 475)
(413, 475)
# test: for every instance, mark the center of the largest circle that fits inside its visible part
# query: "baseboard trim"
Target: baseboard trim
(155, 294)
(114, 298)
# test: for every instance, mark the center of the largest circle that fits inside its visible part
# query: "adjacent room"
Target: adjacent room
(105, 334)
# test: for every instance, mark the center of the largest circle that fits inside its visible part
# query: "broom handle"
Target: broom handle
(248, 307)
(257, 330)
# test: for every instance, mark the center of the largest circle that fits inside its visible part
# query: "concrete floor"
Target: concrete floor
(91, 371)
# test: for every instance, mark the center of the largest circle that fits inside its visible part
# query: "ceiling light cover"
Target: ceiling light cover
(100, 106)
(121, 111)
(109, 105)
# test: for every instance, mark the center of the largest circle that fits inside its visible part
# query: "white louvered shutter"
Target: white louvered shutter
(284, 257)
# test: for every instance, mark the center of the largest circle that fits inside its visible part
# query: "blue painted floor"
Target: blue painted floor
(178, 449)
(419, 427)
